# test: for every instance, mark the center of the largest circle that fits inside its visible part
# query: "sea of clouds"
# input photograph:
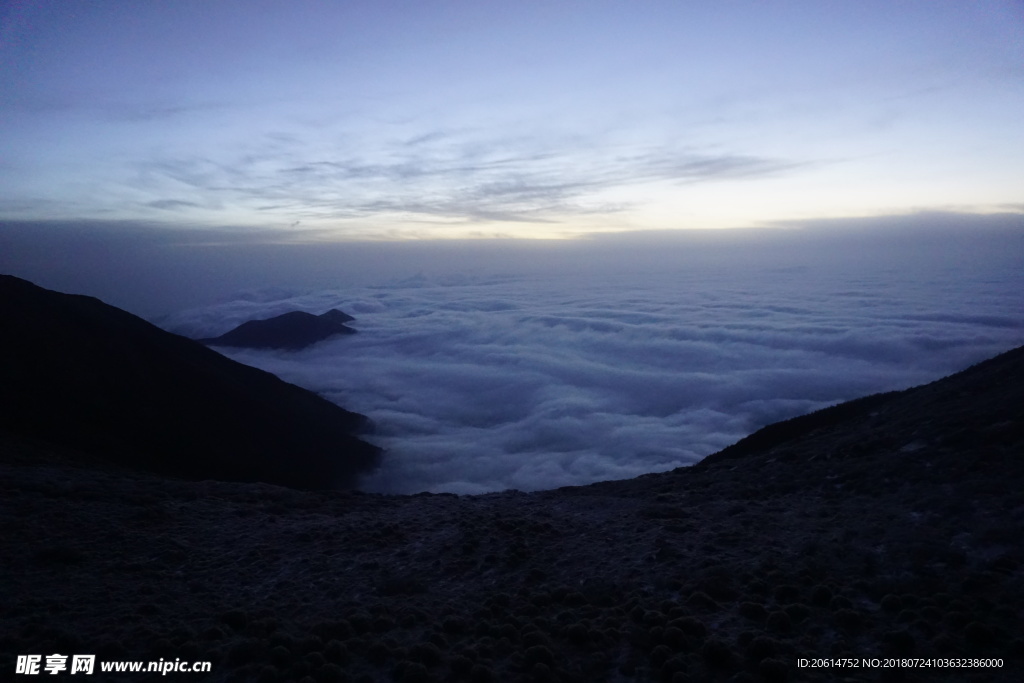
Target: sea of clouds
(610, 362)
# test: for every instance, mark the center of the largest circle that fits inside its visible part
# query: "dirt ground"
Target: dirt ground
(886, 532)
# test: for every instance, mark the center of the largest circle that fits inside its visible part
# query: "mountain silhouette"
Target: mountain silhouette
(81, 373)
(292, 331)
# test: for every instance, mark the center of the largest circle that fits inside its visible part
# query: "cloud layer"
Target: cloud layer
(538, 380)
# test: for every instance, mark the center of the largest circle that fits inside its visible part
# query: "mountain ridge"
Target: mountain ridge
(102, 381)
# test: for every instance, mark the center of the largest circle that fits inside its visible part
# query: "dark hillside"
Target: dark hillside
(86, 375)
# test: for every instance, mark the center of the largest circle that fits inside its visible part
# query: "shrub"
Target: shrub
(311, 643)
(773, 670)
(797, 612)
(339, 629)
(539, 653)
(236, 619)
(716, 653)
(245, 651)
(331, 673)
(426, 653)
(541, 673)
(674, 637)
(509, 631)
(899, 642)
(978, 633)
(761, 647)
(660, 654)
(910, 600)
(383, 624)
(821, 595)
(574, 599)
(670, 667)
(957, 619)
(840, 602)
(577, 633)
(280, 655)
(454, 625)
(532, 638)
(360, 622)
(691, 626)
(892, 603)
(653, 618)
(336, 651)
(753, 610)
(645, 640)
(848, 619)
(943, 643)
(499, 600)
(786, 593)
(378, 652)
(481, 674)
(923, 627)
(908, 616)
(413, 672)
(701, 600)
(461, 664)
(298, 670)
(268, 674)
(718, 583)
(779, 622)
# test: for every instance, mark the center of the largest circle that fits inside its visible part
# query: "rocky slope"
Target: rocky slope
(888, 527)
(92, 377)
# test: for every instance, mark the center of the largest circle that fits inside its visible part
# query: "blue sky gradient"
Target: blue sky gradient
(387, 120)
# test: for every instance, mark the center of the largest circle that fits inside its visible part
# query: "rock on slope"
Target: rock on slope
(83, 374)
(886, 528)
(292, 331)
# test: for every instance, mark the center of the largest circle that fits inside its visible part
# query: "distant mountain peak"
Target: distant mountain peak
(292, 331)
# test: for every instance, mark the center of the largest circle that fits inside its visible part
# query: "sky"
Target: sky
(307, 121)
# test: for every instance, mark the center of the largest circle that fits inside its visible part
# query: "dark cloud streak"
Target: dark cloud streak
(453, 179)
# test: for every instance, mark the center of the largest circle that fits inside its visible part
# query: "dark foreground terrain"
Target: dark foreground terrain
(112, 387)
(890, 527)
